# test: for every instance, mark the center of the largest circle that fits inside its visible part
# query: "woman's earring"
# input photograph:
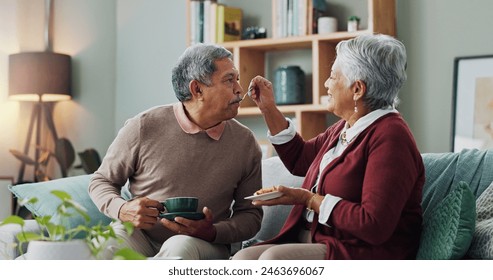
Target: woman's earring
(355, 107)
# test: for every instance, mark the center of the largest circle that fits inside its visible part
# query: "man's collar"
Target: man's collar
(191, 128)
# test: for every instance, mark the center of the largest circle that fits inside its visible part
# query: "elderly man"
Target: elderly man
(190, 148)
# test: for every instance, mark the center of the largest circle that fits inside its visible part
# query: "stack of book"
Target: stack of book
(296, 17)
(211, 22)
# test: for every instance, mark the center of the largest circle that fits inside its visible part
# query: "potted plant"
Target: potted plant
(353, 23)
(56, 241)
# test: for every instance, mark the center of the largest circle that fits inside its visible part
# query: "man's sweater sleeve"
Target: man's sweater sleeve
(116, 167)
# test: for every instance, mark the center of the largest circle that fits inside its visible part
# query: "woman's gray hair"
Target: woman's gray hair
(196, 63)
(377, 60)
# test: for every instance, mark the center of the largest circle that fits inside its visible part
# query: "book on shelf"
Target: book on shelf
(296, 17)
(207, 22)
(229, 23)
(196, 21)
(302, 17)
(280, 18)
(211, 22)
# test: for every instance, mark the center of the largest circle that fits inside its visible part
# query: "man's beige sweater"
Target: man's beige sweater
(161, 160)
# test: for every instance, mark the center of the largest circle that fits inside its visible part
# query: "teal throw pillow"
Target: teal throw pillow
(75, 186)
(449, 229)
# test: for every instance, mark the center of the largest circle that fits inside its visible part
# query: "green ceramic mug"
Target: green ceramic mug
(180, 204)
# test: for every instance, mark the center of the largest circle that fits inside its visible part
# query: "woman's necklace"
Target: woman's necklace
(343, 138)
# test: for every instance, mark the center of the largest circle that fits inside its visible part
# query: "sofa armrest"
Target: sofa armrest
(8, 239)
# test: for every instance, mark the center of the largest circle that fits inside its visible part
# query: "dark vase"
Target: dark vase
(289, 85)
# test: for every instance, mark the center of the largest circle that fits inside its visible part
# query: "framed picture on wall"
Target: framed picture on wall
(472, 111)
(6, 198)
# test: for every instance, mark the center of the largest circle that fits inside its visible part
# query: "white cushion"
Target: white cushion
(482, 242)
(275, 173)
(484, 205)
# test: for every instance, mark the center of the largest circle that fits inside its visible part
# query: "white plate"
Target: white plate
(265, 196)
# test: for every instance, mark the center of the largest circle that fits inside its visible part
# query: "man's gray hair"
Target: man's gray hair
(196, 63)
(377, 60)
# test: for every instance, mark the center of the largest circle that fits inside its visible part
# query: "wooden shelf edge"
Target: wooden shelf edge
(292, 42)
(285, 109)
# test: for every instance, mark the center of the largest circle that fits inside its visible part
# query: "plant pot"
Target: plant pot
(75, 249)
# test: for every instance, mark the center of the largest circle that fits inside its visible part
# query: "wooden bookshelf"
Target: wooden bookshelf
(250, 59)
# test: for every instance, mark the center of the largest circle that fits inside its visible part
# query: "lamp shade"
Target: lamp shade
(39, 76)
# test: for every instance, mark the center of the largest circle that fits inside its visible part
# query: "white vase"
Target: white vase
(75, 249)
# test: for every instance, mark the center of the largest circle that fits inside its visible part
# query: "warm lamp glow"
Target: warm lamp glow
(45, 97)
(39, 76)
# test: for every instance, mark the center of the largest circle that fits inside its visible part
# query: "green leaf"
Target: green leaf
(62, 209)
(56, 232)
(13, 220)
(29, 236)
(79, 209)
(74, 231)
(43, 221)
(129, 227)
(61, 195)
(111, 232)
(128, 254)
(25, 201)
(354, 18)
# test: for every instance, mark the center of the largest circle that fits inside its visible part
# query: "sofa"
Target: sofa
(457, 205)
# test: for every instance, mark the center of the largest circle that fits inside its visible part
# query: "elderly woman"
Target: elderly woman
(361, 198)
